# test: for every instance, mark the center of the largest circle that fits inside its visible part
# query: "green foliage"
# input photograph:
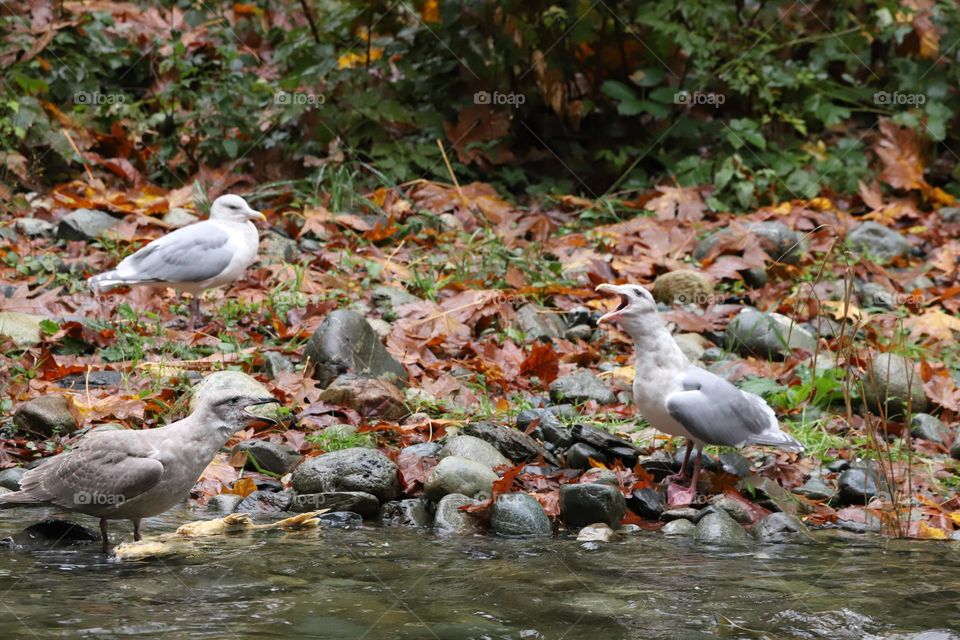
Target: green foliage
(334, 439)
(764, 101)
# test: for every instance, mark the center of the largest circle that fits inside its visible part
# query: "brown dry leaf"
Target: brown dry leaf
(871, 194)
(476, 124)
(941, 388)
(542, 362)
(899, 149)
(934, 323)
(243, 487)
(682, 203)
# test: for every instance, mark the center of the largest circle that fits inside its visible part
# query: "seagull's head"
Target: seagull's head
(235, 208)
(636, 304)
(233, 409)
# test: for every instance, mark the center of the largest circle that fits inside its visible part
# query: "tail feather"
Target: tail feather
(20, 499)
(777, 438)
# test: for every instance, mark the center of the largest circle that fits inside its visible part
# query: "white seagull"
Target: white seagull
(195, 258)
(680, 399)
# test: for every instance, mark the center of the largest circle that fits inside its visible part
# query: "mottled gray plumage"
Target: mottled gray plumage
(678, 398)
(135, 474)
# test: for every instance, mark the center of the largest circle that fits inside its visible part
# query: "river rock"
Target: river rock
(460, 475)
(599, 532)
(54, 532)
(405, 513)
(928, 427)
(10, 478)
(717, 527)
(45, 415)
(85, 224)
(733, 463)
(679, 527)
(21, 328)
(345, 343)
(778, 527)
(872, 294)
(646, 503)
(549, 429)
(33, 227)
(579, 455)
(224, 503)
(891, 379)
(278, 246)
(262, 501)
(99, 379)
(449, 519)
(358, 502)
(767, 335)
(683, 286)
(778, 240)
(582, 386)
(680, 513)
(878, 241)
(354, 469)
(537, 324)
(519, 515)
(611, 446)
(475, 449)
(389, 298)
(340, 520)
(267, 456)
(370, 397)
(512, 443)
(214, 383)
(857, 485)
(955, 449)
(734, 508)
(275, 363)
(583, 504)
(693, 345)
(816, 489)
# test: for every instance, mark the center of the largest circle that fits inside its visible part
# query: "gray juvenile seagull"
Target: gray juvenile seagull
(680, 399)
(135, 474)
(194, 258)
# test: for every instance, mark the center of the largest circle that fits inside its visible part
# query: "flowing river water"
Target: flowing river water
(389, 583)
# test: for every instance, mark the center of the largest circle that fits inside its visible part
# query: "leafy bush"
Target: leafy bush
(763, 101)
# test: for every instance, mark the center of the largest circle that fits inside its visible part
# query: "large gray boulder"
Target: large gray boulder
(778, 240)
(890, 381)
(519, 515)
(717, 527)
(449, 519)
(346, 343)
(474, 449)
(460, 475)
(45, 416)
(85, 224)
(588, 503)
(878, 241)
(355, 469)
(767, 335)
(581, 386)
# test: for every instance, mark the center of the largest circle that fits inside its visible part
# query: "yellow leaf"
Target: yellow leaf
(955, 516)
(840, 310)
(930, 533)
(934, 323)
(627, 373)
(244, 487)
(351, 60)
(430, 11)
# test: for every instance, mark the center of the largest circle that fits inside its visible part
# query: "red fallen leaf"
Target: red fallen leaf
(542, 362)
(550, 502)
(943, 390)
(678, 496)
(503, 485)
(414, 470)
(899, 149)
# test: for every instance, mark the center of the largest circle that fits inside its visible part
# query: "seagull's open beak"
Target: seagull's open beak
(257, 403)
(624, 302)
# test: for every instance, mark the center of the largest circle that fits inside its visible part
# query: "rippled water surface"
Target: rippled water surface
(388, 583)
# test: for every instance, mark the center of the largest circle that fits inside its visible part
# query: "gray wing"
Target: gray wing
(99, 472)
(194, 253)
(716, 412)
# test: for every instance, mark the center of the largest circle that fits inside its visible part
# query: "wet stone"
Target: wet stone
(583, 504)
(519, 515)
(405, 513)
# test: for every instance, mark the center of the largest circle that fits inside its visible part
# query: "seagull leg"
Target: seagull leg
(683, 467)
(696, 470)
(194, 311)
(104, 536)
(136, 530)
